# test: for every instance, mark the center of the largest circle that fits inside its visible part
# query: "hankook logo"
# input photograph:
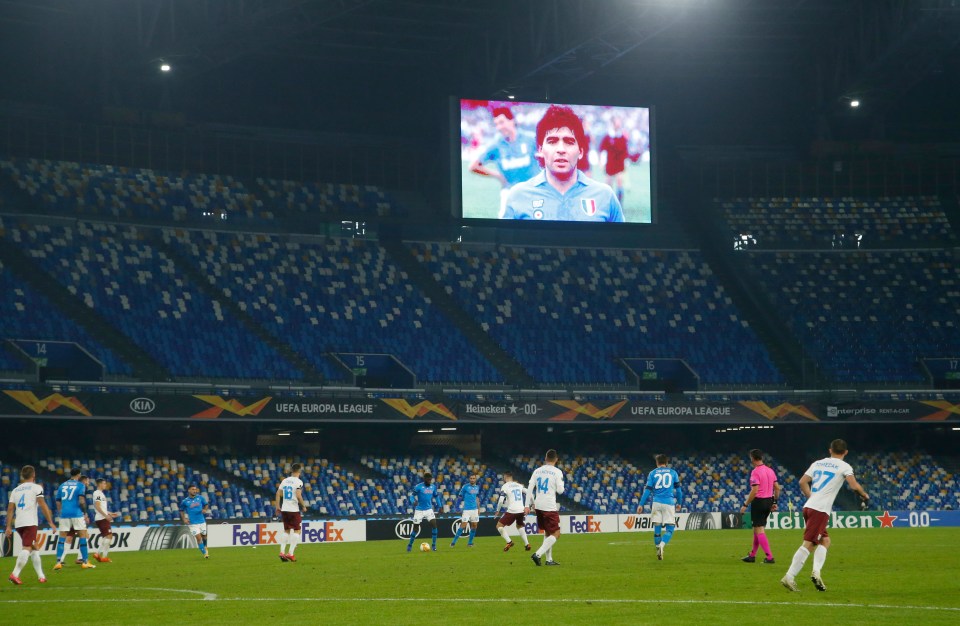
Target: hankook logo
(142, 405)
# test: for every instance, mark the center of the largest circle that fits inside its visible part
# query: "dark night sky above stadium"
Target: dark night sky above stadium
(719, 71)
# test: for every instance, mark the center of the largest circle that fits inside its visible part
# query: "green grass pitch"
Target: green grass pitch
(889, 576)
(481, 194)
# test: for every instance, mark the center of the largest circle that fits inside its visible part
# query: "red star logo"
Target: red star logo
(886, 520)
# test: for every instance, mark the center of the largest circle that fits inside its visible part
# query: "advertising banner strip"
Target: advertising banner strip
(80, 405)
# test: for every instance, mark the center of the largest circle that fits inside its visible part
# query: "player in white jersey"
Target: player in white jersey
(513, 495)
(25, 499)
(545, 485)
(289, 503)
(820, 484)
(103, 518)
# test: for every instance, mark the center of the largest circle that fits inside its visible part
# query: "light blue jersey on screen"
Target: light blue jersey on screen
(194, 507)
(587, 201)
(423, 496)
(515, 159)
(68, 494)
(664, 484)
(469, 494)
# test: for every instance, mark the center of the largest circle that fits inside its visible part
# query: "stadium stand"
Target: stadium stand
(96, 191)
(567, 315)
(26, 314)
(150, 488)
(116, 271)
(908, 481)
(840, 222)
(866, 316)
(334, 295)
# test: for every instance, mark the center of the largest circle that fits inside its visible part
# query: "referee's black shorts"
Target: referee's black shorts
(760, 511)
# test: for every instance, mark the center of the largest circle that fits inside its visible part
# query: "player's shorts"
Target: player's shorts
(72, 523)
(548, 521)
(815, 525)
(661, 513)
(104, 526)
(760, 511)
(28, 535)
(424, 515)
(470, 515)
(198, 529)
(291, 520)
(512, 518)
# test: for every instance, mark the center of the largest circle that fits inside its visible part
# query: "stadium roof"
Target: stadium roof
(735, 71)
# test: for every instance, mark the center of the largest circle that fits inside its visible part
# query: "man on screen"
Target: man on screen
(561, 192)
(513, 153)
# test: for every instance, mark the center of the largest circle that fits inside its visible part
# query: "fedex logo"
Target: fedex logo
(326, 532)
(588, 525)
(256, 537)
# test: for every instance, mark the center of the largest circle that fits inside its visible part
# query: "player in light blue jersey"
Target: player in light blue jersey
(192, 511)
(561, 192)
(471, 511)
(72, 508)
(513, 153)
(664, 484)
(423, 497)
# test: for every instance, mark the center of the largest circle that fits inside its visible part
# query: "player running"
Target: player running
(513, 495)
(545, 485)
(289, 503)
(820, 484)
(664, 484)
(103, 518)
(423, 496)
(192, 510)
(72, 506)
(25, 499)
(471, 511)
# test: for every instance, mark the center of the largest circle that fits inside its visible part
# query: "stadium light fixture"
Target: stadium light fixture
(311, 432)
(283, 434)
(854, 104)
(448, 428)
(425, 430)
(165, 67)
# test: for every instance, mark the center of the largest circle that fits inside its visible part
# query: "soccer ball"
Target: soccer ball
(424, 547)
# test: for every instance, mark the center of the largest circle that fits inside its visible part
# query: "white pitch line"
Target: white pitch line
(214, 597)
(205, 595)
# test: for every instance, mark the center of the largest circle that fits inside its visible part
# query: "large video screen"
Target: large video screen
(555, 162)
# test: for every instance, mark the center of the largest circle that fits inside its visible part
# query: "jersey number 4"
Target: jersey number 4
(22, 502)
(543, 484)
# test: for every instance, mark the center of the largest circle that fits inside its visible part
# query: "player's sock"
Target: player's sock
(433, 537)
(37, 564)
(413, 535)
(105, 546)
(473, 534)
(756, 545)
(799, 558)
(61, 546)
(284, 540)
(456, 537)
(503, 533)
(620, 194)
(668, 533)
(549, 554)
(523, 535)
(765, 544)
(202, 547)
(21, 561)
(547, 544)
(819, 556)
(84, 553)
(657, 533)
(294, 540)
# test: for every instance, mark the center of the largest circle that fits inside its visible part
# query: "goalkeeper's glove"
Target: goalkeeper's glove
(864, 503)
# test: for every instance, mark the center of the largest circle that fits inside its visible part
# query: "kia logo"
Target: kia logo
(142, 405)
(404, 527)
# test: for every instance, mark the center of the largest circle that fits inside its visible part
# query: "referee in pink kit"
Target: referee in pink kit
(762, 500)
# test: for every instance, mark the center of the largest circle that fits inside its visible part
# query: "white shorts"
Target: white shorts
(419, 516)
(470, 515)
(72, 523)
(661, 513)
(198, 529)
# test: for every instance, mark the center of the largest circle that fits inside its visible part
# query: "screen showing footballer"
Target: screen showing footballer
(555, 162)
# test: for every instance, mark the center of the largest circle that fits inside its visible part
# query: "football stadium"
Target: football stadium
(396, 311)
